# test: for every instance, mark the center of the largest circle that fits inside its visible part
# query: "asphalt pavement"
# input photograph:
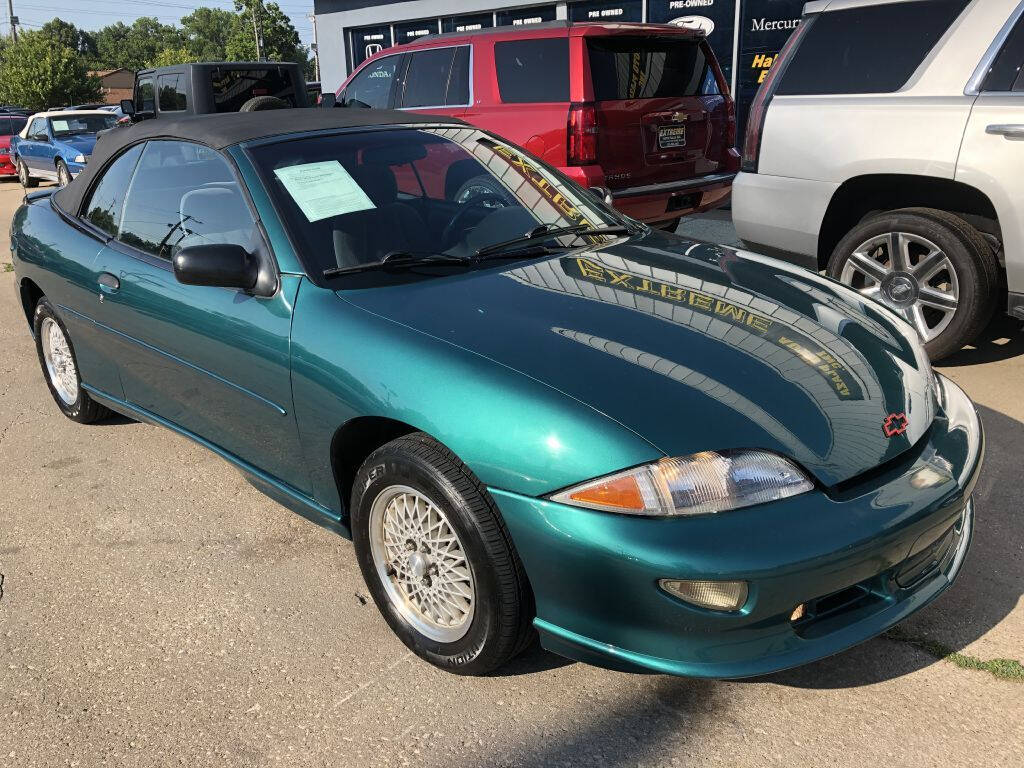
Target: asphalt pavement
(156, 610)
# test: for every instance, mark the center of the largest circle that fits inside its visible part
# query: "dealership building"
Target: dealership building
(745, 34)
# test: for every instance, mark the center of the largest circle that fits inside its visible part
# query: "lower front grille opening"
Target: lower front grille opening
(825, 614)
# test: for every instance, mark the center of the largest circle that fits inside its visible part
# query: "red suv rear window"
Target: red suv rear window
(531, 71)
(645, 67)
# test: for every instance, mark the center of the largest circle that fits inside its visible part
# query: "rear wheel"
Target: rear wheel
(23, 176)
(437, 558)
(929, 266)
(60, 367)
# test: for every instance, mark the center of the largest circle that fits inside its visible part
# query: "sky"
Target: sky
(93, 14)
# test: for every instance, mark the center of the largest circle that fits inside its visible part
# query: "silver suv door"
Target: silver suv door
(992, 154)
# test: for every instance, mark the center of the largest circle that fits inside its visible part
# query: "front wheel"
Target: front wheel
(63, 174)
(437, 558)
(930, 267)
(23, 176)
(60, 367)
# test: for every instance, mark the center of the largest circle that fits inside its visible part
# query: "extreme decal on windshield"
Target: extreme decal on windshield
(773, 331)
(536, 178)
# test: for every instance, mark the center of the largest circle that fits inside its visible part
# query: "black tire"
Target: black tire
(501, 623)
(23, 176)
(84, 409)
(974, 263)
(260, 103)
(63, 174)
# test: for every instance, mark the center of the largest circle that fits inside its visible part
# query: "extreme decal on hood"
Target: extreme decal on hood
(806, 349)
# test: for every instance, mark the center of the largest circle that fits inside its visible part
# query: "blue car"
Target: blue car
(56, 145)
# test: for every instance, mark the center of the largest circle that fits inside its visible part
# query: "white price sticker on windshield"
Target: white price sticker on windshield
(59, 125)
(322, 190)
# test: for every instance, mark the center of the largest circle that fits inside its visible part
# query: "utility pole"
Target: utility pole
(14, 20)
(316, 50)
(255, 28)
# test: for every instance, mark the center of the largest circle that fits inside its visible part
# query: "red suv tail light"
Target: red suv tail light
(582, 134)
(759, 107)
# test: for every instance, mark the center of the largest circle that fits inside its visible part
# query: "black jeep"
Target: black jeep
(204, 88)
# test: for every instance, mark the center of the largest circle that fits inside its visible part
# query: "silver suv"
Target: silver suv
(886, 146)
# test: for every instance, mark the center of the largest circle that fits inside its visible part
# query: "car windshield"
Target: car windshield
(73, 125)
(356, 198)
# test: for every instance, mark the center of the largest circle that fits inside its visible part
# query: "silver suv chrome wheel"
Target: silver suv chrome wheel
(421, 563)
(60, 363)
(911, 275)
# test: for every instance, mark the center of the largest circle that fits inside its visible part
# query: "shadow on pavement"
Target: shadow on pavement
(986, 592)
(631, 730)
(1002, 339)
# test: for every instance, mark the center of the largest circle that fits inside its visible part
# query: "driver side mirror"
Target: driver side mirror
(223, 265)
(128, 107)
(328, 100)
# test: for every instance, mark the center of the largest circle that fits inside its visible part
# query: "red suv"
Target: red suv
(641, 110)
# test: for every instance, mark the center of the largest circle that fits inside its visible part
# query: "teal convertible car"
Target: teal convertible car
(531, 414)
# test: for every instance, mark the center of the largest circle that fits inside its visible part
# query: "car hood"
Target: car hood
(82, 144)
(694, 347)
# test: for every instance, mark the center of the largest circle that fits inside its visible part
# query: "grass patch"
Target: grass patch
(1004, 669)
(8, 267)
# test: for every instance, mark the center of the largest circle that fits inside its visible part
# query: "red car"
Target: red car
(9, 125)
(639, 110)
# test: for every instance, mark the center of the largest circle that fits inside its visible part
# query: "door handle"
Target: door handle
(108, 282)
(1006, 131)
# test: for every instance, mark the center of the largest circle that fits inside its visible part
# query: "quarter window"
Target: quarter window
(372, 86)
(184, 194)
(871, 49)
(533, 70)
(171, 93)
(107, 201)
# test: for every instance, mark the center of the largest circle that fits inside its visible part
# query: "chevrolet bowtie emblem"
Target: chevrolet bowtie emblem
(895, 424)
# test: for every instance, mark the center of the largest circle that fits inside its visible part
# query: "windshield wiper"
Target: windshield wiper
(546, 232)
(398, 259)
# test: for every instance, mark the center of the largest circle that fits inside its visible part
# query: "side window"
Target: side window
(144, 99)
(372, 86)
(184, 194)
(533, 70)
(107, 200)
(426, 79)
(1007, 72)
(37, 128)
(5, 126)
(171, 93)
(458, 83)
(867, 49)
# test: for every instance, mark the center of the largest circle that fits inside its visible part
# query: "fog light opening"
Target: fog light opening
(715, 595)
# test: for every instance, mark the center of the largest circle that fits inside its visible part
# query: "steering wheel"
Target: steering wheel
(474, 202)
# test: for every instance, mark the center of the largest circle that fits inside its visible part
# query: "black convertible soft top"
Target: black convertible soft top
(223, 130)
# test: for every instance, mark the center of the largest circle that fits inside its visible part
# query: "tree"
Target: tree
(135, 46)
(67, 35)
(36, 73)
(207, 31)
(169, 56)
(280, 39)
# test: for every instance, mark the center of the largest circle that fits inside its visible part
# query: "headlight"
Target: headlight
(79, 158)
(700, 484)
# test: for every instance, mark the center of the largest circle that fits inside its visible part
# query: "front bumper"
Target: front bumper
(862, 559)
